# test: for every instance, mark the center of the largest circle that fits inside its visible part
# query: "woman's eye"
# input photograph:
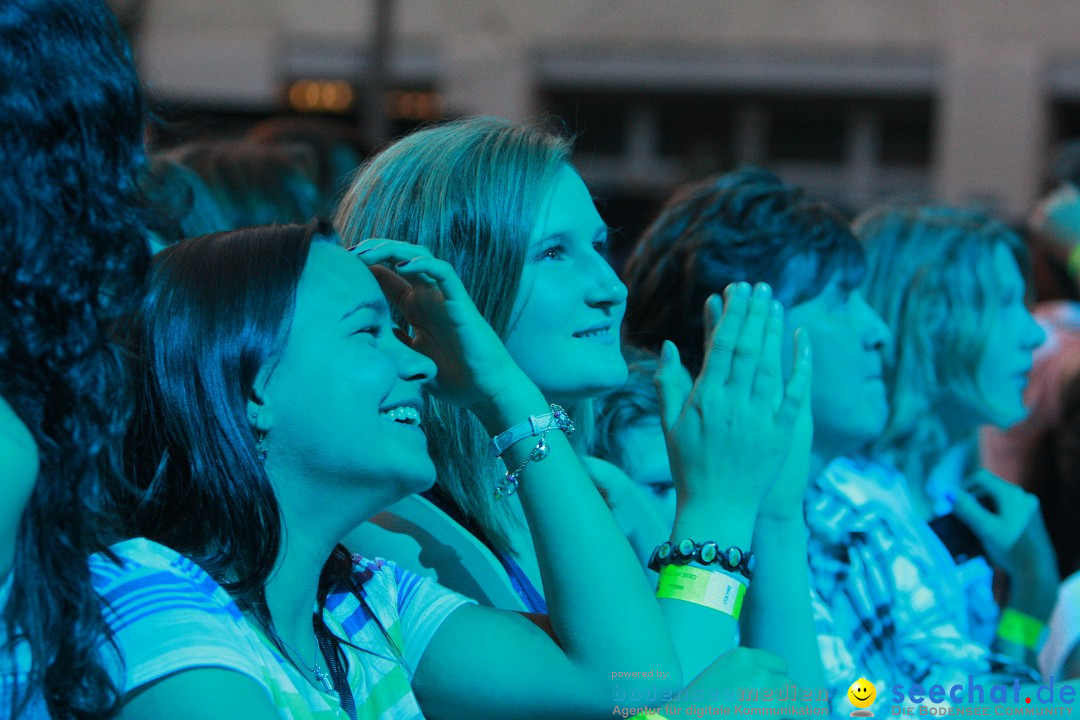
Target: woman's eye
(661, 489)
(602, 247)
(372, 330)
(552, 253)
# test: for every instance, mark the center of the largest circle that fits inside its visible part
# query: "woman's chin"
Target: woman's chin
(594, 386)
(422, 481)
(1007, 418)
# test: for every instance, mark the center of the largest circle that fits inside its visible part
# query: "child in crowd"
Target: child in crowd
(629, 437)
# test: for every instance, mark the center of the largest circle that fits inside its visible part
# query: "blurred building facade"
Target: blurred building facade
(861, 100)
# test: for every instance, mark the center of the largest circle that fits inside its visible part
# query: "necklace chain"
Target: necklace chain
(321, 676)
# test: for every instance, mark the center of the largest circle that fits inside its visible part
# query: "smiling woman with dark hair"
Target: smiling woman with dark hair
(279, 407)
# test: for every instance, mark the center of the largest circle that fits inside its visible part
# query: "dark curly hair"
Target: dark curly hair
(73, 259)
(747, 225)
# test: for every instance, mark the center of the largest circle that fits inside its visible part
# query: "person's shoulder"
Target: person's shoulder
(148, 572)
(140, 555)
(166, 615)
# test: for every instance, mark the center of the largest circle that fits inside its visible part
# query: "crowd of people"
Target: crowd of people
(435, 456)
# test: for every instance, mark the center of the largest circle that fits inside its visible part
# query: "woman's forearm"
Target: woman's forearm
(701, 634)
(601, 608)
(777, 614)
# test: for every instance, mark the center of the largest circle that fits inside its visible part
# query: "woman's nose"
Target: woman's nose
(1036, 334)
(415, 366)
(606, 289)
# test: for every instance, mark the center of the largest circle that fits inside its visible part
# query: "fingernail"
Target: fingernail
(743, 289)
(776, 309)
(665, 351)
(763, 289)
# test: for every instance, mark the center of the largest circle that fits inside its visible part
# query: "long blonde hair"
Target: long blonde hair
(469, 190)
(931, 277)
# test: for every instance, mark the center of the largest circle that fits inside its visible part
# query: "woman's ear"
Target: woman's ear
(259, 408)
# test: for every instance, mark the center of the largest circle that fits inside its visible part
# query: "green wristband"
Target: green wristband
(711, 588)
(1073, 263)
(1021, 629)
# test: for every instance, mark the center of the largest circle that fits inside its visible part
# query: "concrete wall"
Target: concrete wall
(994, 66)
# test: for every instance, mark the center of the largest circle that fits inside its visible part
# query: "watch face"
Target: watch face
(708, 552)
(734, 557)
(664, 551)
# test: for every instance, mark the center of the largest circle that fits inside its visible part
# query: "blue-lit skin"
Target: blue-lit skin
(19, 460)
(1014, 535)
(1000, 373)
(564, 331)
(970, 380)
(335, 455)
(323, 403)
(644, 456)
(848, 396)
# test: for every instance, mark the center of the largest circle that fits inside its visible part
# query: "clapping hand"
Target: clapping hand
(730, 430)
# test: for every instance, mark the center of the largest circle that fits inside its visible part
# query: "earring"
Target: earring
(260, 436)
(259, 447)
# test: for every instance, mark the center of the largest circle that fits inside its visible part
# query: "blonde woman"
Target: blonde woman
(950, 283)
(501, 203)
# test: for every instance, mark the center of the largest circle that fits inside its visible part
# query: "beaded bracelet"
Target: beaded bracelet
(707, 554)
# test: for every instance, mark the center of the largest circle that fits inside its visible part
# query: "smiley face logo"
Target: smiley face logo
(862, 694)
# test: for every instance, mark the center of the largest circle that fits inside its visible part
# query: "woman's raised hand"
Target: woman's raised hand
(474, 367)
(730, 430)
